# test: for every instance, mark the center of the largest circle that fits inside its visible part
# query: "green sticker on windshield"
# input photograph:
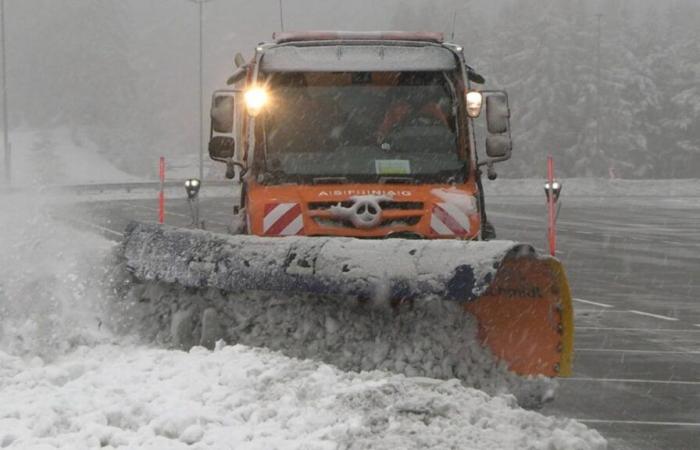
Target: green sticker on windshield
(392, 166)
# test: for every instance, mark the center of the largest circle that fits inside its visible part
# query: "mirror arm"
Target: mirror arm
(491, 172)
(230, 165)
(490, 169)
(230, 168)
(489, 162)
(238, 74)
(475, 77)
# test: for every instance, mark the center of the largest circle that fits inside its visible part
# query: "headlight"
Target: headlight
(255, 100)
(553, 188)
(192, 187)
(474, 101)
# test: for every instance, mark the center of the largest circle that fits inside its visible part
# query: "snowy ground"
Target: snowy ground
(66, 382)
(636, 359)
(237, 397)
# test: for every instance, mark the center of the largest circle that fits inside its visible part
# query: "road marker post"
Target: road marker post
(552, 189)
(161, 194)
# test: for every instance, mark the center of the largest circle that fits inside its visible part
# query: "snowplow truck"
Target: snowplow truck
(360, 235)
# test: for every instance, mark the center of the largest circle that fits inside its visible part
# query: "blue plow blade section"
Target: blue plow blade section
(377, 270)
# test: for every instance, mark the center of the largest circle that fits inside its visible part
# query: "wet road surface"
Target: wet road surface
(634, 268)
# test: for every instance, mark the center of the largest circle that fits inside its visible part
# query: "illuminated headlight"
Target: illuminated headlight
(474, 102)
(552, 188)
(192, 187)
(255, 100)
(555, 186)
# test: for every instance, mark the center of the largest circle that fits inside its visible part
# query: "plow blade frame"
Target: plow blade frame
(521, 300)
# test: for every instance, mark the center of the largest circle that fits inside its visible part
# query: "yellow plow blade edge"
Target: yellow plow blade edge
(526, 317)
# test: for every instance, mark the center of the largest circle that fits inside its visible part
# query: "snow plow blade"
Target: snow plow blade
(520, 300)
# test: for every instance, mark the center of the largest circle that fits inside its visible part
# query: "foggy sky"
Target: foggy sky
(99, 64)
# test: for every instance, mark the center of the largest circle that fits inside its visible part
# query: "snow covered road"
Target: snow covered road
(630, 250)
(65, 382)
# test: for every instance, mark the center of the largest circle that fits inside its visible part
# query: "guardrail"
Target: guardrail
(111, 187)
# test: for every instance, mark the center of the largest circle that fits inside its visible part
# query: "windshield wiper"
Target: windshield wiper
(330, 180)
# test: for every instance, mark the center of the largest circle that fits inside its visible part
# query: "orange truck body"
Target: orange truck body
(432, 211)
(425, 210)
(524, 317)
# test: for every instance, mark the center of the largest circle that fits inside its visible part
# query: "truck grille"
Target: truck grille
(410, 219)
(407, 221)
(387, 205)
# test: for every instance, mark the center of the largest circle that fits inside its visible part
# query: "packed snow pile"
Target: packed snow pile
(323, 298)
(237, 397)
(433, 339)
(50, 278)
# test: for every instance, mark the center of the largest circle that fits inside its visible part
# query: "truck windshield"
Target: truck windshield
(361, 126)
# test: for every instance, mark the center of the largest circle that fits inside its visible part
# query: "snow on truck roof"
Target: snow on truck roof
(305, 36)
(344, 51)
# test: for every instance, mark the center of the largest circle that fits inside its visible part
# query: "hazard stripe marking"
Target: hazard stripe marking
(448, 225)
(283, 219)
(294, 228)
(458, 215)
(438, 227)
(273, 212)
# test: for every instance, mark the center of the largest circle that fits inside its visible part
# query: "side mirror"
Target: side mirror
(239, 60)
(222, 113)
(499, 144)
(222, 141)
(497, 113)
(222, 148)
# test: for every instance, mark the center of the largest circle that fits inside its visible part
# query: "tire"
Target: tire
(488, 232)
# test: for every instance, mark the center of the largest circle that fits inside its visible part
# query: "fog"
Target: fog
(124, 74)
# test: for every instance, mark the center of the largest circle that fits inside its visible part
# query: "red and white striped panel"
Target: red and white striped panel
(449, 220)
(283, 219)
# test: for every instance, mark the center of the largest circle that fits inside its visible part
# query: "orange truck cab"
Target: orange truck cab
(367, 135)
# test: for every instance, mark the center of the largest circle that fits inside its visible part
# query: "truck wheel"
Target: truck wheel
(488, 232)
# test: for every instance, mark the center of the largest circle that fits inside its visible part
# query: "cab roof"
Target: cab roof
(307, 36)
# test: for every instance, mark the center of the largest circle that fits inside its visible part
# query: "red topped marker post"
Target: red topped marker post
(161, 194)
